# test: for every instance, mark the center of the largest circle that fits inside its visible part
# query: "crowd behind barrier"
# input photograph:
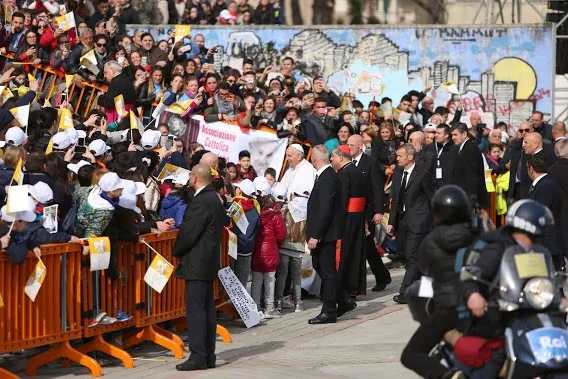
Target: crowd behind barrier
(71, 294)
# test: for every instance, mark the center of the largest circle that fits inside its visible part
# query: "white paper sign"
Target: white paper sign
(158, 273)
(426, 289)
(17, 199)
(240, 297)
(49, 220)
(99, 249)
(35, 280)
(233, 244)
(238, 214)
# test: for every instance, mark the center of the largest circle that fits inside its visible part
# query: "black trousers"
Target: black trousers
(381, 273)
(201, 319)
(323, 260)
(410, 242)
(429, 333)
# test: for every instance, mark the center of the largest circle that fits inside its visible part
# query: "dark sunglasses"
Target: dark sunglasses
(42, 26)
(524, 130)
(101, 44)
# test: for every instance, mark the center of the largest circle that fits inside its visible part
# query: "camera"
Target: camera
(480, 127)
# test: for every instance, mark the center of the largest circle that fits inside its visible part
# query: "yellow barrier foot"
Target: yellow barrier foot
(99, 344)
(148, 333)
(63, 350)
(7, 374)
(224, 333)
(174, 337)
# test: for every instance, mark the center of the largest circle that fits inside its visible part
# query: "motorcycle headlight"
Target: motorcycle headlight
(539, 292)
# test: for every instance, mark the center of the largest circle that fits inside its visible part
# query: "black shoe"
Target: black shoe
(381, 286)
(399, 299)
(212, 361)
(349, 306)
(323, 318)
(191, 365)
(395, 257)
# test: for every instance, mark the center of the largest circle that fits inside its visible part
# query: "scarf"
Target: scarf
(112, 202)
(225, 107)
(269, 116)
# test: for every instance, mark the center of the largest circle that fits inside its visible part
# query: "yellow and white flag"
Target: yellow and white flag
(31, 78)
(119, 105)
(49, 148)
(158, 273)
(135, 122)
(449, 87)
(46, 103)
(35, 280)
(18, 176)
(68, 81)
(66, 22)
(90, 56)
(5, 94)
(181, 31)
(8, 13)
(180, 106)
(99, 249)
(65, 119)
(21, 114)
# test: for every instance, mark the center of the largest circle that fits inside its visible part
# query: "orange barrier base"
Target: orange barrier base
(63, 350)
(149, 333)
(229, 309)
(224, 333)
(7, 374)
(174, 337)
(99, 344)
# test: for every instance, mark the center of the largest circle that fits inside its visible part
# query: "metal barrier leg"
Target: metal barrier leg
(63, 350)
(148, 333)
(7, 374)
(99, 344)
(166, 333)
(224, 333)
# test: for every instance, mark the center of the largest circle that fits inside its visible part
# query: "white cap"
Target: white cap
(75, 134)
(298, 147)
(99, 147)
(27, 215)
(430, 126)
(150, 139)
(261, 184)
(134, 188)
(504, 136)
(76, 166)
(111, 181)
(247, 187)
(128, 201)
(182, 178)
(279, 191)
(225, 14)
(61, 141)
(41, 192)
(14, 136)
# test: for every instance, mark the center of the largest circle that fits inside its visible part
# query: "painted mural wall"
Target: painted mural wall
(504, 72)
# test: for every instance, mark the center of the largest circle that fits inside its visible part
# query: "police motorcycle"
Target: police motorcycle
(527, 293)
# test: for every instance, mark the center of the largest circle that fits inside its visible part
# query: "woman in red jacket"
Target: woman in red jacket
(265, 255)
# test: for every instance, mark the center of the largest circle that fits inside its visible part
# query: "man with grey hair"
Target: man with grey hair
(119, 84)
(558, 131)
(324, 227)
(559, 172)
(410, 219)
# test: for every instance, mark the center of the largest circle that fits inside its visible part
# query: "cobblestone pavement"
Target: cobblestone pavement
(365, 343)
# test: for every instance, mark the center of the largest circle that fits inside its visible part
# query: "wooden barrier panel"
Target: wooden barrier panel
(55, 316)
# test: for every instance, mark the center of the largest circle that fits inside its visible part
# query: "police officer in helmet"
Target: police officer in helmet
(452, 213)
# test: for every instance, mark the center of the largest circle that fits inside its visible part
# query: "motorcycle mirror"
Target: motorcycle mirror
(469, 273)
(560, 278)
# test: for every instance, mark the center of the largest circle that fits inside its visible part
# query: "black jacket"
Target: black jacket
(559, 172)
(325, 217)
(469, 173)
(517, 154)
(446, 162)
(120, 85)
(199, 240)
(425, 158)
(318, 129)
(419, 192)
(436, 259)
(547, 193)
(375, 184)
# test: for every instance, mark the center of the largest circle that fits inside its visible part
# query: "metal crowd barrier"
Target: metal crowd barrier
(71, 295)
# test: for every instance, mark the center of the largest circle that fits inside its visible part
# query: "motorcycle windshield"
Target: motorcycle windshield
(518, 266)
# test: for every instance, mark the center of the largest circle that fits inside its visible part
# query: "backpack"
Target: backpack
(68, 223)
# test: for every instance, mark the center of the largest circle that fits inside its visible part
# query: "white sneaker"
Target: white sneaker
(299, 307)
(273, 313)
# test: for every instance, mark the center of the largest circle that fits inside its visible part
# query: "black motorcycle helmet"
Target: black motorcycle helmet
(451, 205)
(529, 216)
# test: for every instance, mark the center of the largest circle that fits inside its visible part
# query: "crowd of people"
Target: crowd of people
(359, 180)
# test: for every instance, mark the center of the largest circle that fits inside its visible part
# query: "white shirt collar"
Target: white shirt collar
(198, 190)
(559, 138)
(358, 158)
(538, 151)
(410, 170)
(534, 183)
(463, 143)
(321, 170)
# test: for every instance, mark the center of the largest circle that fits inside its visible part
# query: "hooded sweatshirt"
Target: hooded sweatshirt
(246, 240)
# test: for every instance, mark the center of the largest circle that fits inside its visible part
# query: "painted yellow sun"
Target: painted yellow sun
(516, 70)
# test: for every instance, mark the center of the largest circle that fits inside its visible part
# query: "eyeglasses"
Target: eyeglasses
(524, 130)
(101, 44)
(42, 26)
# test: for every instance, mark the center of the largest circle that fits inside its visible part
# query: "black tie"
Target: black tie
(531, 188)
(355, 162)
(402, 194)
(317, 177)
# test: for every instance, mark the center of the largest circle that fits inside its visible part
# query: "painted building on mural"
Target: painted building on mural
(503, 72)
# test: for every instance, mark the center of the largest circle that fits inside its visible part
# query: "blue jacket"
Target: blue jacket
(173, 207)
(246, 240)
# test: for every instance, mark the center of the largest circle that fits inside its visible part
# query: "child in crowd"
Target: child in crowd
(244, 196)
(292, 250)
(265, 256)
(232, 171)
(270, 175)
(244, 168)
(493, 156)
(18, 82)
(174, 203)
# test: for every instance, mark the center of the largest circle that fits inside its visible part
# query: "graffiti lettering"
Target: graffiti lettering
(540, 94)
(465, 34)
